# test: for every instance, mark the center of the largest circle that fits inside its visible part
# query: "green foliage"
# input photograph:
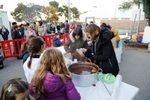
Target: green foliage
(65, 11)
(31, 12)
(60, 11)
(28, 13)
(18, 12)
(55, 4)
(146, 9)
(75, 12)
(50, 13)
(126, 5)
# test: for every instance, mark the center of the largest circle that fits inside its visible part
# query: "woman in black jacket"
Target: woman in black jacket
(102, 52)
(4, 32)
(16, 35)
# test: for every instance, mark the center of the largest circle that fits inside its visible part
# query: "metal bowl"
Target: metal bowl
(84, 73)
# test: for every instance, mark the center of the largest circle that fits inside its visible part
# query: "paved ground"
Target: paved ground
(134, 68)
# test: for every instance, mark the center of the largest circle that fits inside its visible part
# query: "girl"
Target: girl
(52, 80)
(15, 89)
(35, 48)
(24, 54)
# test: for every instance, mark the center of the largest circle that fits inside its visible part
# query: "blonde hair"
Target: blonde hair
(12, 87)
(52, 61)
(93, 30)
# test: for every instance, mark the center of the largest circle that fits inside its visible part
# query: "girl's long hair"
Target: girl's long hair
(52, 61)
(34, 47)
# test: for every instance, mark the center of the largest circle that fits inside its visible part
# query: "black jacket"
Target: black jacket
(5, 34)
(104, 55)
(16, 35)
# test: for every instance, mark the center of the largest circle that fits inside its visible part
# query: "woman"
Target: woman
(42, 30)
(77, 39)
(4, 32)
(30, 32)
(72, 27)
(16, 35)
(102, 52)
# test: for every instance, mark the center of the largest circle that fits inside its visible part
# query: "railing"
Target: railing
(11, 48)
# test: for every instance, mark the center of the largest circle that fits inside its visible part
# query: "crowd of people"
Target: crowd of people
(46, 70)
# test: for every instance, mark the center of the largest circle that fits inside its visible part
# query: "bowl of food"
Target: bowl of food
(84, 73)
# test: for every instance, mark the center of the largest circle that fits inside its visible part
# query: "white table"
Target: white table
(99, 92)
(124, 37)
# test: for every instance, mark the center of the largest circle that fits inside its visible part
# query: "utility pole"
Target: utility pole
(1, 6)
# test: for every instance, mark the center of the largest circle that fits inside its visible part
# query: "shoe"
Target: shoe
(18, 58)
(1, 67)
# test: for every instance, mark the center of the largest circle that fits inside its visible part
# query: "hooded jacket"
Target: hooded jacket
(115, 32)
(104, 55)
(55, 89)
(57, 42)
(72, 44)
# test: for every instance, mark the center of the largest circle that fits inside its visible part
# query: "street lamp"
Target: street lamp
(94, 13)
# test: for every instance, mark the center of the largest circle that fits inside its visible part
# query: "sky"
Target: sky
(103, 7)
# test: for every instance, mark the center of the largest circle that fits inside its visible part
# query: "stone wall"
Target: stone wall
(125, 24)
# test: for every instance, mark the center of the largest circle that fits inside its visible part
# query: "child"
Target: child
(24, 54)
(15, 89)
(52, 80)
(35, 48)
(57, 41)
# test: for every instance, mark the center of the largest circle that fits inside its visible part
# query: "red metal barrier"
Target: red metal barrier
(65, 38)
(11, 48)
(48, 40)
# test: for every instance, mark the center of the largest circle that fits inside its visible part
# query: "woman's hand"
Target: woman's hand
(69, 55)
(83, 50)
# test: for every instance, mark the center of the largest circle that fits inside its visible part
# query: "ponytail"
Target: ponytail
(30, 61)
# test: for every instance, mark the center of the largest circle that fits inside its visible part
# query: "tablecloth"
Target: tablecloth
(99, 92)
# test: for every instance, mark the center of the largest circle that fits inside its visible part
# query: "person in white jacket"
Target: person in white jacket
(35, 47)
